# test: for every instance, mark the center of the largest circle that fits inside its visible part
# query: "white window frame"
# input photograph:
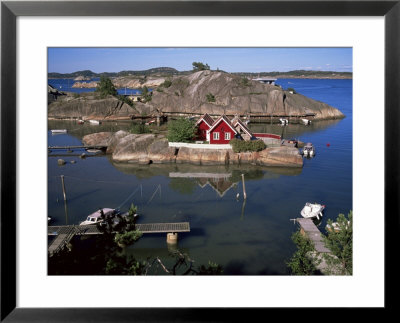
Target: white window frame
(227, 136)
(216, 135)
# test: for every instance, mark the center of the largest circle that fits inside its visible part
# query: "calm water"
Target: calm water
(251, 238)
(66, 85)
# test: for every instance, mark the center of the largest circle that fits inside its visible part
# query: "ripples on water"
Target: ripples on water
(251, 238)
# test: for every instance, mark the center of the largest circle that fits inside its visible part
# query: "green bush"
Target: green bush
(210, 97)
(128, 237)
(166, 84)
(181, 130)
(239, 145)
(139, 129)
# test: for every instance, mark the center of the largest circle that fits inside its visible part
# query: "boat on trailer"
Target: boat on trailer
(312, 210)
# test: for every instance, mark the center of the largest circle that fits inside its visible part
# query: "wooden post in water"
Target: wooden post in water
(63, 187)
(244, 188)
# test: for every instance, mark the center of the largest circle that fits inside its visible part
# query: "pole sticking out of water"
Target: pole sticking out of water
(63, 188)
(244, 188)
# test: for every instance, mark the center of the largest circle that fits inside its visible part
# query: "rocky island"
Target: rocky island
(124, 147)
(213, 92)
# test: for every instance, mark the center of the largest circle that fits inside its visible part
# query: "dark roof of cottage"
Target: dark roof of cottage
(207, 119)
(223, 118)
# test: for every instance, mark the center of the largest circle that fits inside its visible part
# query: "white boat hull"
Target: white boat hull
(311, 211)
(58, 131)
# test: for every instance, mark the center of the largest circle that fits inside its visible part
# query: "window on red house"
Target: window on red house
(216, 135)
(227, 136)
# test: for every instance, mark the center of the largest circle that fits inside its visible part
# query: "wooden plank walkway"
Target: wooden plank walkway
(308, 227)
(65, 233)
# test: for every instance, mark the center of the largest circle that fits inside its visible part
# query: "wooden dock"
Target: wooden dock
(308, 228)
(65, 233)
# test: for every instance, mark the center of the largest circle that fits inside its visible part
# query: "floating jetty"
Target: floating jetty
(64, 234)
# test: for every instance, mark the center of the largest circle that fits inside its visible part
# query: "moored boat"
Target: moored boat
(306, 121)
(98, 216)
(312, 210)
(58, 131)
(309, 150)
(95, 122)
(284, 121)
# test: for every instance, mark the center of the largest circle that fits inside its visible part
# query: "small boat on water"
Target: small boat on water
(290, 142)
(80, 121)
(284, 121)
(94, 122)
(335, 227)
(309, 150)
(312, 210)
(153, 121)
(58, 131)
(98, 216)
(306, 121)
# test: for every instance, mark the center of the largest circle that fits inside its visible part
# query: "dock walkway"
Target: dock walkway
(65, 233)
(307, 227)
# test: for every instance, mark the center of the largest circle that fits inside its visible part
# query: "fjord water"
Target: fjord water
(246, 238)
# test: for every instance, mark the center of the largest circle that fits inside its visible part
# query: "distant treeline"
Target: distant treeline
(169, 71)
(163, 71)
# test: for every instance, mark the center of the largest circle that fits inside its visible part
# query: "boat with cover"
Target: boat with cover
(309, 150)
(312, 210)
(96, 217)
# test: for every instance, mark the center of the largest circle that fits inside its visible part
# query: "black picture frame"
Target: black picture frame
(10, 10)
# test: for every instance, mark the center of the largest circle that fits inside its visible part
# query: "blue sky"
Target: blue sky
(239, 59)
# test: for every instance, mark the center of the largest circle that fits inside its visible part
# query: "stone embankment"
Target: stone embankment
(148, 148)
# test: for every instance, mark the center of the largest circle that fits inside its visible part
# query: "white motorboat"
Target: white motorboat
(306, 121)
(312, 210)
(309, 150)
(284, 121)
(335, 227)
(58, 131)
(96, 217)
(95, 122)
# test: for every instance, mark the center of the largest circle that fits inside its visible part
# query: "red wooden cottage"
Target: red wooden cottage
(203, 125)
(222, 131)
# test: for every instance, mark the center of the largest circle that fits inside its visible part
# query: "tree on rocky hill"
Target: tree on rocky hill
(106, 87)
(198, 66)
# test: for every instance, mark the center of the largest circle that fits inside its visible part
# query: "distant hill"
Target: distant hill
(160, 71)
(169, 71)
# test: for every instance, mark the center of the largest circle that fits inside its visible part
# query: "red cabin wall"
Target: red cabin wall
(222, 128)
(202, 131)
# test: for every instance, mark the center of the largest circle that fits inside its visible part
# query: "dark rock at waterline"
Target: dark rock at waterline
(148, 148)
